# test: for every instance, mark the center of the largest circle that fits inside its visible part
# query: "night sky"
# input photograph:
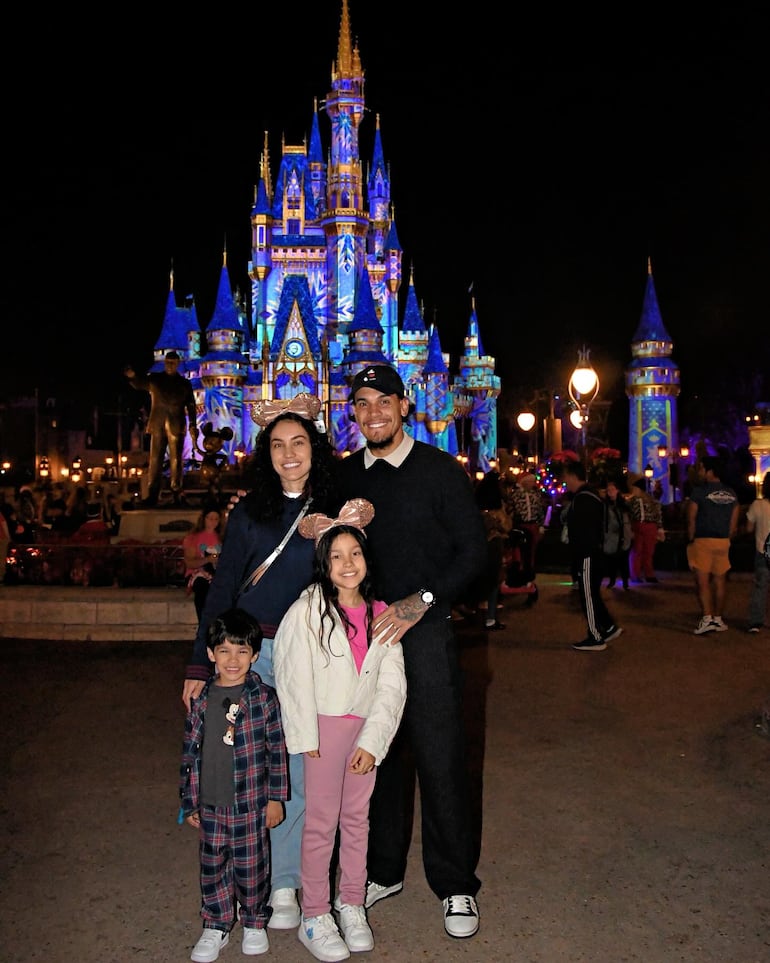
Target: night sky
(543, 162)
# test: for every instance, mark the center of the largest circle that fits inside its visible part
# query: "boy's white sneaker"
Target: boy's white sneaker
(206, 950)
(319, 935)
(255, 941)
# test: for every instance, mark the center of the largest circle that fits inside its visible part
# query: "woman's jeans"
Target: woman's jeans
(286, 838)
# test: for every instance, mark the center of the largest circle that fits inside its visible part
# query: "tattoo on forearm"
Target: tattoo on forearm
(410, 609)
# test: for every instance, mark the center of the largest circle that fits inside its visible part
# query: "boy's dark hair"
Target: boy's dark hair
(238, 627)
(576, 468)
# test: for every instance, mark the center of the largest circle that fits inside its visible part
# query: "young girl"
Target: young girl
(201, 548)
(342, 696)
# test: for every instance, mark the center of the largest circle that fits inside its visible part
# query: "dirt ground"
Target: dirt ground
(623, 796)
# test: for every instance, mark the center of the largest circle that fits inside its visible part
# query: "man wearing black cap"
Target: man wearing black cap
(428, 544)
(171, 395)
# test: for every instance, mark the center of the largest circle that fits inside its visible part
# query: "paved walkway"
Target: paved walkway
(624, 796)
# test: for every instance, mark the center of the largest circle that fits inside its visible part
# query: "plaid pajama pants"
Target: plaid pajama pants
(234, 865)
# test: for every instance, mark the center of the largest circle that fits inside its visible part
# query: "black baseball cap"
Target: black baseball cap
(171, 356)
(382, 378)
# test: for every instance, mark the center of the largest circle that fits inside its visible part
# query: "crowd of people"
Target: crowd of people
(325, 673)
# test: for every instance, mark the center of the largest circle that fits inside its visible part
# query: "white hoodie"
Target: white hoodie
(312, 681)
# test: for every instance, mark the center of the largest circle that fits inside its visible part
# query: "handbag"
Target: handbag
(251, 580)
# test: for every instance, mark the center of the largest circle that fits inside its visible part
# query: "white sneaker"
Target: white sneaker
(375, 892)
(355, 928)
(320, 935)
(206, 950)
(719, 624)
(255, 941)
(705, 625)
(286, 914)
(461, 916)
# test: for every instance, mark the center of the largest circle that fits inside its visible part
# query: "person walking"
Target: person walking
(497, 526)
(529, 516)
(428, 545)
(201, 547)
(342, 697)
(171, 398)
(233, 782)
(758, 522)
(617, 536)
(585, 523)
(646, 526)
(712, 520)
(263, 572)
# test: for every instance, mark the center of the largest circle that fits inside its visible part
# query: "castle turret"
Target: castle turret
(652, 386)
(224, 367)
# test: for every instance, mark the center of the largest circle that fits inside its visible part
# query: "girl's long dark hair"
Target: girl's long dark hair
(329, 594)
(265, 499)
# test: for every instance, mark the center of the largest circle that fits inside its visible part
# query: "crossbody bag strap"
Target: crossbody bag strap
(260, 570)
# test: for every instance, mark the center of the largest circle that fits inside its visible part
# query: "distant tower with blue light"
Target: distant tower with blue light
(652, 386)
(325, 274)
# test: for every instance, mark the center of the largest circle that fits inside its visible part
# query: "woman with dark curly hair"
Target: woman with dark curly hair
(292, 471)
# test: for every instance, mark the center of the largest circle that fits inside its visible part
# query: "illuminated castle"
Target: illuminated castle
(325, 271)
(652, 386)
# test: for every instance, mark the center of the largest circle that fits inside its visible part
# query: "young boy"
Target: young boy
(234, 778)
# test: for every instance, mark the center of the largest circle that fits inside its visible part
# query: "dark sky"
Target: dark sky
(542, 159)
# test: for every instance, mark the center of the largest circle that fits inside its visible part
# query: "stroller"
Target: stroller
(519, 576)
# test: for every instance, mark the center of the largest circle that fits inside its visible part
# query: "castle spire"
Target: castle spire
(344, 66)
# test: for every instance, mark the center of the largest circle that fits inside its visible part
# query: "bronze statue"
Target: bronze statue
(171, 397)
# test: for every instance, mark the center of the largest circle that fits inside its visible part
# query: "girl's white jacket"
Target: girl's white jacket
(312, 681)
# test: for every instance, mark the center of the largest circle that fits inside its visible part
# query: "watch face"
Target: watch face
(294, 348)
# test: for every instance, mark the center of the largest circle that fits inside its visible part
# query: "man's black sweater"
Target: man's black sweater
(427, 531)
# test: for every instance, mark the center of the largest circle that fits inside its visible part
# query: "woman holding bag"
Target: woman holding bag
(264, 566)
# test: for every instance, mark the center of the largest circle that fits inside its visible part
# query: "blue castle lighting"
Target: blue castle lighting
(325, 272)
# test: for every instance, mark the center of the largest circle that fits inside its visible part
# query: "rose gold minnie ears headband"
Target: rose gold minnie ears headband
(358, 512)
(304, 405)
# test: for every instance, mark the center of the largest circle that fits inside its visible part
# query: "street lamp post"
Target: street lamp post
(583, 388)
(526, 421)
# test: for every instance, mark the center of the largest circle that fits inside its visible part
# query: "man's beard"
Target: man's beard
(378, 445)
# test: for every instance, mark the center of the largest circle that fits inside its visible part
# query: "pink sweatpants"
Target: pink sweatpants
(334, 796)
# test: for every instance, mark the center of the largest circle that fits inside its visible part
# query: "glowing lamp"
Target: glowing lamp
(526, 421)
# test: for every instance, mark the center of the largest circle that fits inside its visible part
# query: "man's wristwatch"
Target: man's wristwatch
(427, 597)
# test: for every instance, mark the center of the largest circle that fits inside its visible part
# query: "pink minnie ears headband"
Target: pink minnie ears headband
(358, 512)
(304, 405)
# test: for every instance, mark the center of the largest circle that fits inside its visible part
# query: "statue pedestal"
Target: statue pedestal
(156, 524)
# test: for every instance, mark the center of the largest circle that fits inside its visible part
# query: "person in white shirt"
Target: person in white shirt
(758, 522)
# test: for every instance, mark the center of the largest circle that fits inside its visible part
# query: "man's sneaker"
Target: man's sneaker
(612, 633)
(286, 913)
(254, 941)
(206, 950)
(719, 624)
(375, 892)
(705, 625)
(754, 629)
(355, 929)
(320, 935)
(589, 645)
(461, 916)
